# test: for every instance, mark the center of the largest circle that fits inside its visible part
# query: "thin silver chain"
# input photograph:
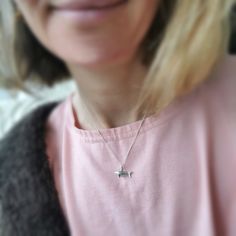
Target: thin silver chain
(130, 148)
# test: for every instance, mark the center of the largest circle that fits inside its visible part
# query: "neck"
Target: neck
(106, 98)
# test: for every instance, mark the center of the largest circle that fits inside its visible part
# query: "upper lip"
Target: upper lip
(80, 5)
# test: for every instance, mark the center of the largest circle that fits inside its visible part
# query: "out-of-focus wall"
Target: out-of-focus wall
(16, 104)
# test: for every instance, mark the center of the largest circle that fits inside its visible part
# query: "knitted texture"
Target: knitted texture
(29, 204)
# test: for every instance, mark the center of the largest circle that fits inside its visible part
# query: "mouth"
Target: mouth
(89, 5)
(89, 12)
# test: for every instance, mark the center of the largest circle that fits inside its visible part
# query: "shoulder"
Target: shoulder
(218, 92)
(223, 77)
(211, 112)
(26, 184)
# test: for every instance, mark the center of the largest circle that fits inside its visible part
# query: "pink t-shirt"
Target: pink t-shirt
(183, 164)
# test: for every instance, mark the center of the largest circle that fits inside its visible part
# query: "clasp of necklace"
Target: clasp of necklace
(123, 173)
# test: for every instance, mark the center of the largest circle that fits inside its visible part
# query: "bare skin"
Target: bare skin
(103, 56)
(108, 100)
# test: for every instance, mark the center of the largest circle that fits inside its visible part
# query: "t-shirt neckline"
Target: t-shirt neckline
(118, 133)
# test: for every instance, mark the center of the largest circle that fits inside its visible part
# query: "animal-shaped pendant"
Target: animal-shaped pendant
(123, 173)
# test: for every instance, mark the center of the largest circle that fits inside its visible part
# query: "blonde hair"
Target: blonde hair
(194, 38)
(22, 57)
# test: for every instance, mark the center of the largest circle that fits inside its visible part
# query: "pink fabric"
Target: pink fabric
(184, 164)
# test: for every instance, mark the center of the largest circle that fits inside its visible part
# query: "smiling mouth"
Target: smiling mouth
(91, 13)
(77, 6)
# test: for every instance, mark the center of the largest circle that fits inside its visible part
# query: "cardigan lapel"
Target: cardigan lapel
(29, 203)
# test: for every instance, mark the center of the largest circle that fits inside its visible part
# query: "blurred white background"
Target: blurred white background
(16, 104)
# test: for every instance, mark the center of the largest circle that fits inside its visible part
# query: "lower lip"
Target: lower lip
(90, 16)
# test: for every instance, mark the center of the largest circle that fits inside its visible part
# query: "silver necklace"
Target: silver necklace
(122, 172)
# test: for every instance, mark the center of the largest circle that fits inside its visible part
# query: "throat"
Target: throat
(90, 117)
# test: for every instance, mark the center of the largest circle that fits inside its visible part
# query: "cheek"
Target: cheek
(35, 13)
(143, 16)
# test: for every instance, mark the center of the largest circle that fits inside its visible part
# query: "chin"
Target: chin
(99, 61)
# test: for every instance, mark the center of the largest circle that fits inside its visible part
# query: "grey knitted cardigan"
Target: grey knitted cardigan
(29, 204)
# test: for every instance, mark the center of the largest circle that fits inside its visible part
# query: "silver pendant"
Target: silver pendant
(123, 173)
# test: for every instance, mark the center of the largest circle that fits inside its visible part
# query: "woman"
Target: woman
(146, 145)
